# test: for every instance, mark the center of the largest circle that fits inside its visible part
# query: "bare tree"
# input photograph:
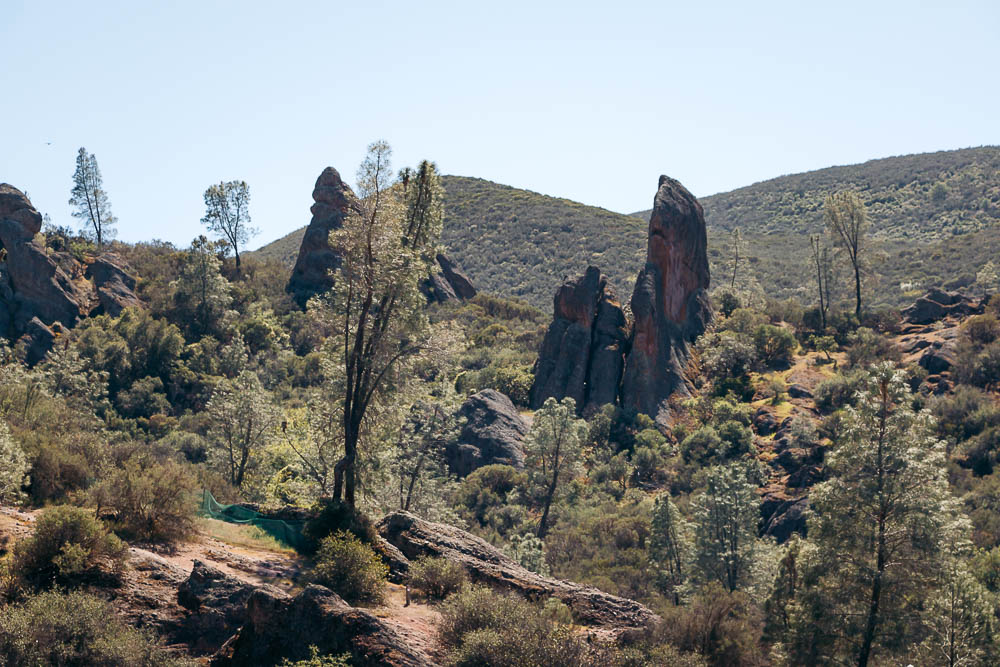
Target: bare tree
(824, 272)
(848, 223)
(739, 253)
(227, 213)
(91, 201)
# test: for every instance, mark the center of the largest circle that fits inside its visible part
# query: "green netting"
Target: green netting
(287, 532)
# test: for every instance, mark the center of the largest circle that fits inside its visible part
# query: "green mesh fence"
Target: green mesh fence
(287, 532)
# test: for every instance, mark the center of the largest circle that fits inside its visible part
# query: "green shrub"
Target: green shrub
(153, 502)
(74, 628)
(436, 578)
(68, 545)
(837, 392)
(775, 345)
(350, 568)
(331, 516)
(866, 347)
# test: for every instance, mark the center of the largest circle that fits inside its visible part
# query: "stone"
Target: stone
(938, 358)
(115, 285)
(765, 422)
(493, 433)
(799, 391)
(938, 304)
(446, 283)
(317, 259)
(485, 564)
(280, 628)
(669, 303)
(216, 605)
(788, 517)
(37, 340)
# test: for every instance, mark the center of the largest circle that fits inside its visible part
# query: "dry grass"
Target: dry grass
(242, 535)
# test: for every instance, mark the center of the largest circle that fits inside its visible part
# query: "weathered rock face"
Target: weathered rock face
(447, 283)
(494, 432)
(43, 292)
(279, 627)
(334, 199)
(582, 355)
(217, 606)
(669, 303)
(938, 304)
(488, 565)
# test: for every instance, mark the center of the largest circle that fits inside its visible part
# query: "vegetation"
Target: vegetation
(350, 568)
(436, 578)
(90, 201)
(227, 213)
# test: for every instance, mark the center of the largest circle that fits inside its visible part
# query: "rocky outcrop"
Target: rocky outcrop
(670, 302)
(45, 292)
(487, 565)
(114, 283)
(938, 304)
(494, 432)
(216, 605)
(582, 354)
(279, 628)
(447, 283)
(317, 258)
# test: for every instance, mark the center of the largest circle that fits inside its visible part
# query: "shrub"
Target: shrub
(487, 488)
(702, 445)
(837, 391)
(14, 466)
(332, 516)
(436, 578)
(68, 545)
(350, 568)
(775, 345)
(150, 502)
(73, 629)
(723, 627)
(867, 347)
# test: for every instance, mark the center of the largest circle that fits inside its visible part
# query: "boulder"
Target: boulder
(446, 283)
(938, 304)
(669, 303)
(787, 517)
(115, 285)
(797, 390)
(216, 605)
(582, 354)
(938, 358)
(494, 432)
(317, 259)
(486, 564)
(279, 628)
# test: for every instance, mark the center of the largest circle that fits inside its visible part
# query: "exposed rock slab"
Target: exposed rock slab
(669, 303)
(486, 564)
(334, 200)
(938, 304)
(115, 284)
(280, 627)
(447, 283)
(582, 354)
(494, 432)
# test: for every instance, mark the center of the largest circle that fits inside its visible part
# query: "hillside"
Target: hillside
(520, 243)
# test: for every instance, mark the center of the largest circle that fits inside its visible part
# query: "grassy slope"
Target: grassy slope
(519, 243)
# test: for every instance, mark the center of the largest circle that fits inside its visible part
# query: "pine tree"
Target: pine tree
(552, 451)
(879, 528)
(90, 200)
(725, 517)
(670, 545)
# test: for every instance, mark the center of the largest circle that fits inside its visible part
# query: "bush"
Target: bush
(486, 489)
(436, 578)
(702, 445)
(332, 516)
(68, 545)
(350, 568)
(867, 347)
(837, 392)
(73, 629)
(487, 629)
(150, 502)
(723, 627)
(775, 345)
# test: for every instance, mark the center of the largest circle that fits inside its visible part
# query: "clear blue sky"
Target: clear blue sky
(589, 101)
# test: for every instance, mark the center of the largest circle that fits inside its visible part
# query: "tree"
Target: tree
(552, 450)
(880, 527)
(960, 617)
(227, 213)
(987, 277)
(375, 306)
(848, 223)
(824, 273)
(14, 466)
(201, 292)
(419, 457)
(739, 253)
(725, 520)
(242, 421)
(90, 200)
(670, 544)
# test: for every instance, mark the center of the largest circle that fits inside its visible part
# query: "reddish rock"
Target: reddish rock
(669, 303)
(582, 355)
(317, 258)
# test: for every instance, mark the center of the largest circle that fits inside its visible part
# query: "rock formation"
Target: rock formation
(334, 199)
(670, 302)
(486, 564)
(494, 432)
(447, 283)
(279, 628)
(938, 304)
(41, 291)
(582, 355)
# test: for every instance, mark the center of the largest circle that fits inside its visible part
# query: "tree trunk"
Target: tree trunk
(543, 525)
(857, 291)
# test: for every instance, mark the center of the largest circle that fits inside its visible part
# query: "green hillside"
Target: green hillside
(935, 215)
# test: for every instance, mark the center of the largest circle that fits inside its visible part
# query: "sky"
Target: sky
(591, 101)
